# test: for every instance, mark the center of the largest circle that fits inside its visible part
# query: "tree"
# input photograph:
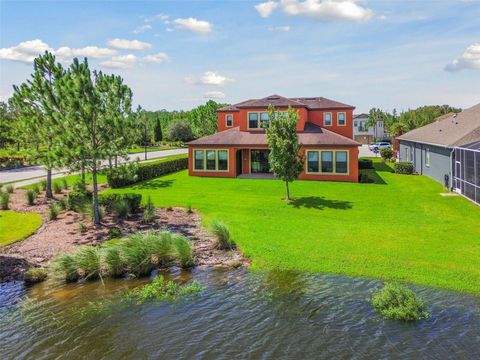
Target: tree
(204, 118)
(143, 124)
(158, 136)
(36, 102)
(179, 130)
(284, 158)
(96, 110)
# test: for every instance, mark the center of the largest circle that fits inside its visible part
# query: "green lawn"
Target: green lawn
(72, 179)
(398, 228)
(16, 226)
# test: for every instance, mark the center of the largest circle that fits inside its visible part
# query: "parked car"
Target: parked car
(379, 146)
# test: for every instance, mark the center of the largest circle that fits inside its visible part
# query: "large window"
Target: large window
(341, 118)
(327, 119)
(253, 120)
(211, 160)
(327, 162)
(229, 120)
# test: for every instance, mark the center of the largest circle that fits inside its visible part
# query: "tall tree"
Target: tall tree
(143, 124)
(284, 158)
(36, 102)
(158, 136)
(204, 118)
(96, 108)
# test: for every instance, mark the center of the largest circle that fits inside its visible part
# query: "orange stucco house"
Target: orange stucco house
(240, 147)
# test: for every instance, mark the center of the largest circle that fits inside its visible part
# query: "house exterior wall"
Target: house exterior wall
(440, 161)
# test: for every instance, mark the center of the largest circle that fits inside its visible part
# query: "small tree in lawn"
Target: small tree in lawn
(284, 158)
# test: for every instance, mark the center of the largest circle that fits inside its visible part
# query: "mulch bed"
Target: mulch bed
(64, 235)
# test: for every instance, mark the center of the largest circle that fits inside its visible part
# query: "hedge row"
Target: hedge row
(12, 161)
(365, 164)
(403, 168)
(147, 171)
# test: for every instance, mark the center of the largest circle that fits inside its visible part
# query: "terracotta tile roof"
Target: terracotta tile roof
(312, 135)
(312, 103)
(449, 130)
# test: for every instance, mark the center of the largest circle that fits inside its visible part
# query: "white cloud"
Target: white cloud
(383, 17)
(160, 17)
(213, 78)
(470, 59)
(120, 62)
(124, 44)
(142, 29)
(321, 9)
(88, 51)
(265, 9)
(280, 28)
(25, 51)
(214, 95)
(192, 24)
(168, 29)
(157, 58)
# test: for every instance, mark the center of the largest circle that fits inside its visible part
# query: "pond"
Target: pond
(239, 314)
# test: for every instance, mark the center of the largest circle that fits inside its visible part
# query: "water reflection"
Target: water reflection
(240, 314)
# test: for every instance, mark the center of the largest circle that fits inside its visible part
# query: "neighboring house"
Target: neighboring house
(448, 151)
(368, 135)
(240, 147)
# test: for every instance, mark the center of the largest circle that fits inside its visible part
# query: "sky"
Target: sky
(176, 55)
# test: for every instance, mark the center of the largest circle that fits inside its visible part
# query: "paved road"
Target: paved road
(364, 151)
(22, 174)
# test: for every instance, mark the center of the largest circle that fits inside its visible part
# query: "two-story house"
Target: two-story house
(240, 147)
(368, 134)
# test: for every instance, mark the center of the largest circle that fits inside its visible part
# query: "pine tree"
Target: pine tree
(158, 130)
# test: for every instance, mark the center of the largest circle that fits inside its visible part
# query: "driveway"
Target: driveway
(29, 172)
(364, 151)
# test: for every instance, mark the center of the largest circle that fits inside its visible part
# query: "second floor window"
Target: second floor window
(327, 119)
(264, 119)
(229, 120)
(253, 120)
(341, 118)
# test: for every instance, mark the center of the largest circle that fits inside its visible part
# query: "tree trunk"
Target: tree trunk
(116, 161)
(96, 216)
(83, 173)
(49, 184)
(288, 191)
(110, 164)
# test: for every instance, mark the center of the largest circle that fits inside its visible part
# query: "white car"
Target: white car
(379, 146)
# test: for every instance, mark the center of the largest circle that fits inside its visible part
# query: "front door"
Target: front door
(259, 161)
(238, 161)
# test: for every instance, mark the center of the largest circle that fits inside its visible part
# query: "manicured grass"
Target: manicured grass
(398, 228)
(137, 150)
(16, 226)
(72, 179)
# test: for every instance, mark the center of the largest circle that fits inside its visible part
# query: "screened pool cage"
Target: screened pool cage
(466, 171)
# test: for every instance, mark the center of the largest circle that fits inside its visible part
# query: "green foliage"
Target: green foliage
(203, 119)
(64, 184)
(16, 226)
(34, 276)
(110, 200)
(67, 266)
(123, 174)
(162, 290)
(53, 211)
(62, 204)
(114, 261)
(149, 171)
(121, 208)
(189, 209)
(57, 188)
(149, 211)
(12, 161)
(284, 158)
(36, 188)
(101, 212)
(183, 251)
(114, 233)
(403, 168)
(80, 185)
(79, 200)
(386, 153)
(43, 184)
(4, 200)
(9, 189)
(398, 302)
(222, 234)
(31, 196)
(365, 164)
(82, 228)
(158, 135)
(88, 262)
(179, 130)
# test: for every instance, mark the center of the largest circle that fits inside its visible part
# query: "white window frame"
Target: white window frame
(226, 120)
(344, 118)
(427, 157)
(258, 120)
(325, 120)
(216, 160)
(333, 161)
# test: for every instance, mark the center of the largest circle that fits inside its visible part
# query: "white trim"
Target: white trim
(194, 169)
(320, 172)
(331, 118)
(226, 120)
(344, 120)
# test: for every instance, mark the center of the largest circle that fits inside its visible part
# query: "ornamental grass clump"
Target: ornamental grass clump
(34, 276)
(183, 251)
(67, 266)
(57, 188)
(222, 234)
(36, 188)
(53, 211)
(114, 261)
(10, 189)
(4, 200)
(149, 211)
(31, 196)
(121, 208)
(395, 301)
(64, 184)
(43, 184)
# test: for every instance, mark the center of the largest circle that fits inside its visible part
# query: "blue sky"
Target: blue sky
(177, 54)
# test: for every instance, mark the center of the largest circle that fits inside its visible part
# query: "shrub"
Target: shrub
(169, 208)
(62, 204)
(125, 173)
(12, 161)
(64, 184)
(149, 211)
(57, 188)
(386, 153)
(4, 199)
(223, 237)
(101, 212)
(80, 186)
(403, 168)
(179, 130)
(34, 275)
(364, 178)
(82, 228)
(114, 233)
(53, 211)
(78, 200)
(109, 200)
(183, 251)
(114, 261)
(31, 196)
(398, 302)
(36, 188)
(189, 209)
(67, 266)
(148, 171)
(121, 208)
(365, 164)
(43, 184)
(10, 189)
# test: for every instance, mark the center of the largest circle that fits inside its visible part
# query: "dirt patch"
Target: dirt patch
(65, 233)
